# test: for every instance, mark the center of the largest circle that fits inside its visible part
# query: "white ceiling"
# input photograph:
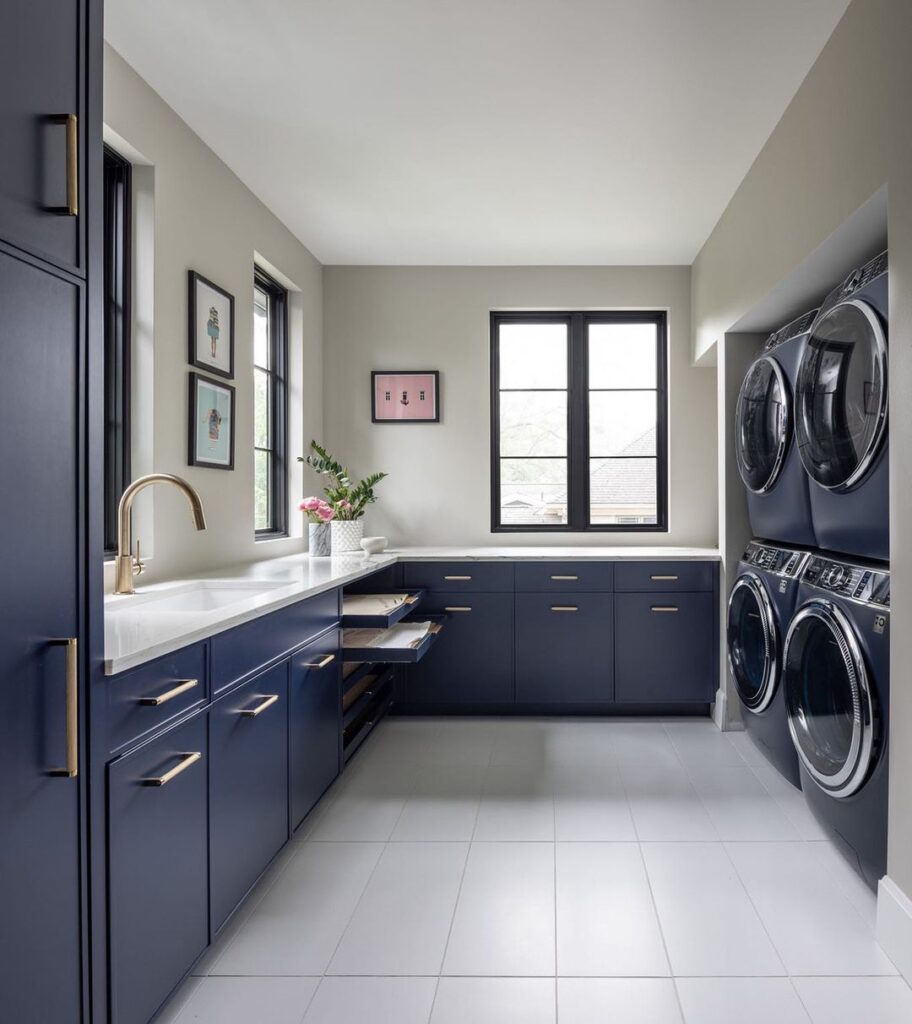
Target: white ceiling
(482, 131)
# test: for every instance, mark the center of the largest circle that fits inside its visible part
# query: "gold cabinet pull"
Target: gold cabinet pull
(186, 761)
(660, 577)
(457, 577)
(322, 663)
(664, 608)
(182, 687)
(72, 163)
(565, 577)
(72, 708)
(458, 608)
(266, 702)
(411, 599)
(564, 608)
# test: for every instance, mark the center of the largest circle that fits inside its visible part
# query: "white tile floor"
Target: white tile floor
(523, 871)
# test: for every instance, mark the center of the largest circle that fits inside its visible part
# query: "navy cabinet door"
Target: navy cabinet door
(248, 786)
(471, 662)
(158, 892)
(564, 648)
(665, 647)
(39, 568)
(314, 722)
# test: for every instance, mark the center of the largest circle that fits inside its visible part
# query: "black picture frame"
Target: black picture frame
(193, 455)
(194, 282)
(434, 374)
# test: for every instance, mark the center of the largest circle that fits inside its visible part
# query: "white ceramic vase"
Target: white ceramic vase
(319, 540)
(346, 535)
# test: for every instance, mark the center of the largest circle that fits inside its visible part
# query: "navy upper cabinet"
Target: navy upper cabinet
(42, 170)
(248, 780)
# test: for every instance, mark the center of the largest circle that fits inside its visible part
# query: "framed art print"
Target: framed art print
(405, 396)
(211, 326)
(211, 423)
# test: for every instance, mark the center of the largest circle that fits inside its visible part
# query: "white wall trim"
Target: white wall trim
(720, 711)
(894, 925)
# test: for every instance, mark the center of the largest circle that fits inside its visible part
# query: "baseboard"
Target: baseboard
(894, 925)
(719, 713)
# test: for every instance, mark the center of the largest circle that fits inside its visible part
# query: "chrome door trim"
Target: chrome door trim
(751, 581)
(784, 425)
(858, 763)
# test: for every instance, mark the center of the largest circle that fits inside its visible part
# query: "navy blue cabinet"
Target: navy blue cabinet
(471, 661)
(248, 786)
(314, 725)
(564, 577)
(158, 892)
(467, 577)
(564, 645)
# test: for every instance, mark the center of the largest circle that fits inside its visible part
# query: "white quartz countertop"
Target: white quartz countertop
(138, 628)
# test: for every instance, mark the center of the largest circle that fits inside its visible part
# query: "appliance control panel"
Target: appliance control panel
(781, 561)
(871, 586)
(800, 325)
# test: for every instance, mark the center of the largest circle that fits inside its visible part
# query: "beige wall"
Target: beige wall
(431, 318)
(205, 219)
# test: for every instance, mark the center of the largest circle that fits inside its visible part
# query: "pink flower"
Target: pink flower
(325, 512)
(311, 504)
(343, 504)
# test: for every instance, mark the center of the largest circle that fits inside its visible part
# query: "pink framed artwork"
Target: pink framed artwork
(405, 396)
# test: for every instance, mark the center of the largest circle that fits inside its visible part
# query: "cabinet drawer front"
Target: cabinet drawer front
(248, 788)
(158, 895)
(243, 650)
(665, 647)
(547, 577)
(453, 576)
(664, 576)
(147, 698)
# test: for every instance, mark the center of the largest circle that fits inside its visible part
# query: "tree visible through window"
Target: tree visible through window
(269, 360)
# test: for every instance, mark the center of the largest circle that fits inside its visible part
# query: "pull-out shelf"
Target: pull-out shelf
(399, 645)
(378, 611)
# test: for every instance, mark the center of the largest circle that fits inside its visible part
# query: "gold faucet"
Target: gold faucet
(127, 566)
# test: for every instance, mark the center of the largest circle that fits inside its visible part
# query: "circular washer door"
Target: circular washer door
(828, 697)
(763, 424)
(841, 395)
(753, 642)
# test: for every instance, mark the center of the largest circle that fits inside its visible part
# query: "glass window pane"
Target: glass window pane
(261, 417)
(261, 465)
(533, 355)
(622, 355)
(261, 328)
(533, 423)
(622, 423)
(622, 492)
(533, 492)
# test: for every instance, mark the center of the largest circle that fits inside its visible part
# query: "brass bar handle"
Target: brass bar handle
(457, 577)
(458, 608)
(565, 577)
(267, 702)
(72, 708)
(322, 663)
(663, 577)
(664, 608)
(186, 761)
(162, 698)
(564, 608)
(71, 121)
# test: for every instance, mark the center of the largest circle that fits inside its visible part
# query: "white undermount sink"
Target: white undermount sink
(197, 596)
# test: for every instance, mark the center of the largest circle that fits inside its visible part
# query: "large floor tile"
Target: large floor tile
(244, 1000)
(377, 1000)
(522, 742)
(504, 921)
(517, 805)
(402, 921)
(701, 743)
(839, 862)
(590, 804)
(606, 921)
(665, 806)
(744, 1000)
(494, 1001)
(616, 1000)
(443, 805)
(462, 742)
(295, 928)
(814, 927)
(710, 927)
(738, 805)
(792, 802)
(643, 742)
(853, 1000)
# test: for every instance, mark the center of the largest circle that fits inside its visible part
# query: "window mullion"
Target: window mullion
(578, 405)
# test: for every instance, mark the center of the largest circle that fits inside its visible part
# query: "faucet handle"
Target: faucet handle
(139, 565)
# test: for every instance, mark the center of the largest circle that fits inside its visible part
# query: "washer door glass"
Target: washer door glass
(751, 644)
(763, 424)
(842, 395)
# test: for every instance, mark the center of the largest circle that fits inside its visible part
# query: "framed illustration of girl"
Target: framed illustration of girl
(211, 326)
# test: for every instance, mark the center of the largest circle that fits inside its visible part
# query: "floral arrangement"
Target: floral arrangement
(317, 510)
(346, 499)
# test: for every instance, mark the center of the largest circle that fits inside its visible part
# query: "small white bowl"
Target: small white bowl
(373, 545)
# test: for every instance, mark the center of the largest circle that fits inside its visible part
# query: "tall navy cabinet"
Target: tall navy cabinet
(51, 73)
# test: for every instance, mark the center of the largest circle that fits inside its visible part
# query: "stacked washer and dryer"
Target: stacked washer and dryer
(808, 635)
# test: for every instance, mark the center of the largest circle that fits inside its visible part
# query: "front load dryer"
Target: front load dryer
(837, 690)
(760, 608)
(777, 487)
(841, 416)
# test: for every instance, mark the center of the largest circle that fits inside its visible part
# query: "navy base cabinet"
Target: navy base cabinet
(248, 786)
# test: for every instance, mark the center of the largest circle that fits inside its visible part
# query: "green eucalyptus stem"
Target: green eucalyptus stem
(349, 499)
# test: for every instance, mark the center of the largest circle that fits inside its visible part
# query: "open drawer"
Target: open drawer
(402, 644)
(378, 611)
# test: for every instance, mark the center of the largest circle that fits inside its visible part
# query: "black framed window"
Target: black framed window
(117, 290)
(270, 357)
(579, 423)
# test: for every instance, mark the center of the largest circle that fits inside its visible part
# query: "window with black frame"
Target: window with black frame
(270, 356)
(117, 291)
(579, 422)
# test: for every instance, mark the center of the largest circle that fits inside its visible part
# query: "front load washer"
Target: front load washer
(837, 690)
(841, 415)
(760, 608)
(777, 487)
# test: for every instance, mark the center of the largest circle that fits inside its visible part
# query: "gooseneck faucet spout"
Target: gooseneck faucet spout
(127, 566)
